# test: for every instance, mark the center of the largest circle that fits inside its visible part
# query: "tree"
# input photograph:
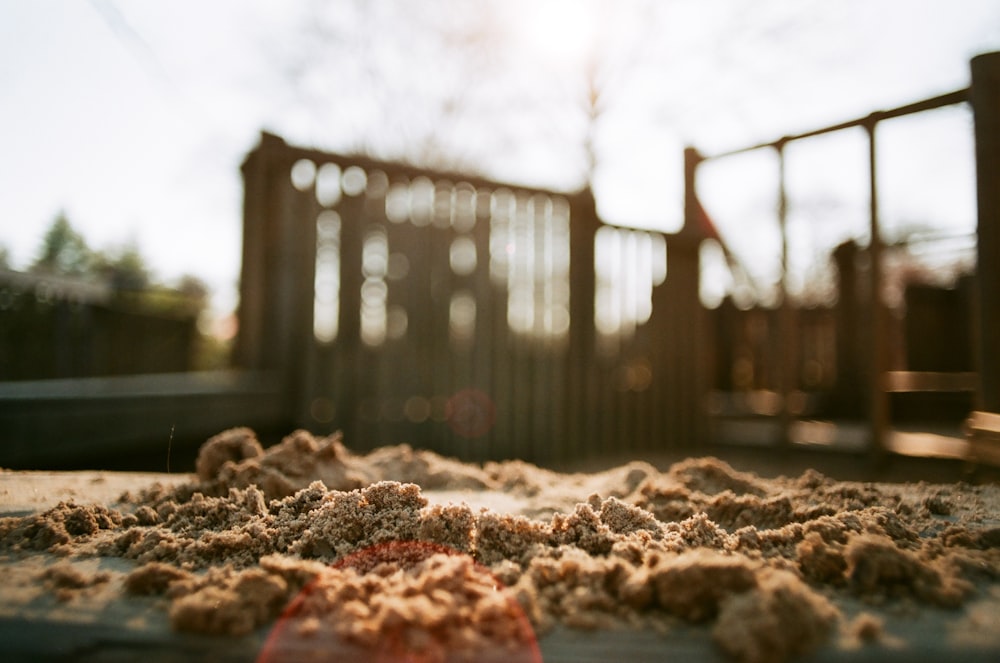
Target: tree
(193, 287)
(64, 251)
(395, 80)
(518, 90)
(194, 291)
(126, 267)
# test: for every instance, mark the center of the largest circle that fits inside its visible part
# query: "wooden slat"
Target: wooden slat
(907, 381)
(982, 430)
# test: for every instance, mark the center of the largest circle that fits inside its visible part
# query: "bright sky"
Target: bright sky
(134, 117)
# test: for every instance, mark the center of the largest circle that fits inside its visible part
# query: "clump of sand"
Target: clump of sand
(763, 563)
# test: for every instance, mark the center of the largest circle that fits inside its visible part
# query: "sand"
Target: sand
(402, 553)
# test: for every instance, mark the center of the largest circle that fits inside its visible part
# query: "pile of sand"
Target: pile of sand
(405, 551)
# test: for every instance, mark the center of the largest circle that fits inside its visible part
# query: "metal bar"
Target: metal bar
(951, 98)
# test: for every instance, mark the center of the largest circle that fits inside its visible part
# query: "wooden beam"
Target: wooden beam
(985, 102)
(909, 381)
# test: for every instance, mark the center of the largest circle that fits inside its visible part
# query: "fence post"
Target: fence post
(250, 349)
(582, 407)
(985, 106)
(786, 326)
(878, 399)
(850, 393)
(685, 362)
(275, 310)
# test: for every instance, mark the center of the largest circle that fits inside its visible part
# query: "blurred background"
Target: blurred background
(131, 118)
(123, 127)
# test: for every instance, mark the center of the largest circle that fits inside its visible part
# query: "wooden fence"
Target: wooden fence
(93, 377)
(56, 327)
(475, 318)
(485, 320)
(929, 332)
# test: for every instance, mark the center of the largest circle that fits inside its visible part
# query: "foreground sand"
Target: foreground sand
(306, 547)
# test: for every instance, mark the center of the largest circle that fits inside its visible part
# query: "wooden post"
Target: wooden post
(878, 399)
(275, 311)
(986, 110)
(250, 347)
(786, 329)
(581, 409)
(683, 359)
(349, 349)
(850, 394)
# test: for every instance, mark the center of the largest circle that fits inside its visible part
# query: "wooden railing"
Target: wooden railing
(56, 327)
(465, 315)
(984, 95)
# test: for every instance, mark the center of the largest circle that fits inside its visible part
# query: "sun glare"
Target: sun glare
(561, 32)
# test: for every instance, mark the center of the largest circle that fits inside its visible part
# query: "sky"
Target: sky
(133, 117)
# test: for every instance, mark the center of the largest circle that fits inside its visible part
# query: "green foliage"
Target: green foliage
(119, 318)
(212, 353)
(64, 251)
(126, 267)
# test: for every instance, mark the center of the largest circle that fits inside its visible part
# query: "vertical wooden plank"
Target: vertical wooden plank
(383, 366)
(402, 352)
(251, 350)
(659, 326)
(640, 388)
(484, 342)
(879, 402)
(348, 345)
(553, 443)
(685, 356)
(301, 240)
(279, 288)
(522, 388)
(405, 356)
(620, 434)
(502, 357)
(442, 286)
(985, 102)
(849, 388)
(581, 369)
(786, 336)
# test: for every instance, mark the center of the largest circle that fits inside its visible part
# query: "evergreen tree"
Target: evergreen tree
(126, 266)
(64, 251)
